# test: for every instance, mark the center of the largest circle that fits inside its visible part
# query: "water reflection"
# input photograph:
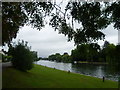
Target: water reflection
(60, 66)
(92, 70)
(87, 69)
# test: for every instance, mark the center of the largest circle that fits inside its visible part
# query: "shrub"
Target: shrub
(22, 57)
(6, 58)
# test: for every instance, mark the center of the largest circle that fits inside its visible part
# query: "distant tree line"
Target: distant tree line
(60, 58)
(43, 58)
(92, 52)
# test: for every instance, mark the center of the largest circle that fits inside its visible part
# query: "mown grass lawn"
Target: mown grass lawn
(44, 77)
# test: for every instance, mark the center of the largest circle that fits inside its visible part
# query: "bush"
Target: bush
(35, 57)
(6, 58)
(22, 57)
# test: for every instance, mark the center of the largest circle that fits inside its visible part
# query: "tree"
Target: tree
(6, 58)
(40, 58)
(80, 53)
(109, 53)
(66, 57)
(52, 57)
(93, 16)
(35, 57)
(110, 49)
(86, 52)
(65, 53)
(58, 57)
(106, 43)
(17, 14)
(102, 55)
(117, 54)
(22, 57)
(75, 55)
(94, 49)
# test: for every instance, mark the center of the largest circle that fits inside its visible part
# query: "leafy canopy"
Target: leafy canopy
(91, 17)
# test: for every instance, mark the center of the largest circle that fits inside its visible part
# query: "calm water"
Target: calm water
(87, 69)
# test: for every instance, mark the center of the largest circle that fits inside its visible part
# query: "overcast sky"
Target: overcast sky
(47, 41)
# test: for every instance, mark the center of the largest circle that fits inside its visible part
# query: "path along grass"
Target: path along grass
(44, 77)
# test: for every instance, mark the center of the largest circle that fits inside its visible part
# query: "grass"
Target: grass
(44, 77)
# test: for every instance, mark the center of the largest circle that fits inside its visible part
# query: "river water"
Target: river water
(99, 71)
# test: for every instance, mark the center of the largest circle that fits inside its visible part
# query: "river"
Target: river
(87, 69)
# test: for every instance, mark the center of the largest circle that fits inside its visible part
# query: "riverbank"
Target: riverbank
(44, 77)
(85, 62)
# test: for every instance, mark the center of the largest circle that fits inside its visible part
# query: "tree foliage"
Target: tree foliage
(86, 52)
(22, 57)
(17, 14)
(93, 53)
(34, 55)
(92, 17)
(6, 58)
(60, 58)
(13, 18)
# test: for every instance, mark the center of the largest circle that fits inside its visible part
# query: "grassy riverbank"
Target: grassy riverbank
(44, 77)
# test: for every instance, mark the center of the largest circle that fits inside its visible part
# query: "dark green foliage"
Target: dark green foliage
(102, 55)
(52, 57)
(108, 53)
(106, 43)
(22, 57)
(6, 58)
(92, 17)
(117, 50)
(110, 50)
(34, 55)
(114, 10)
(0, 56)
(89, 14)
(117, 56)
(17, 14)
(92, 53)
(39, 58)
(3, 58)
(86, 52)
(13, 17)
(75, 55)
(66, 58)
(60, 58)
